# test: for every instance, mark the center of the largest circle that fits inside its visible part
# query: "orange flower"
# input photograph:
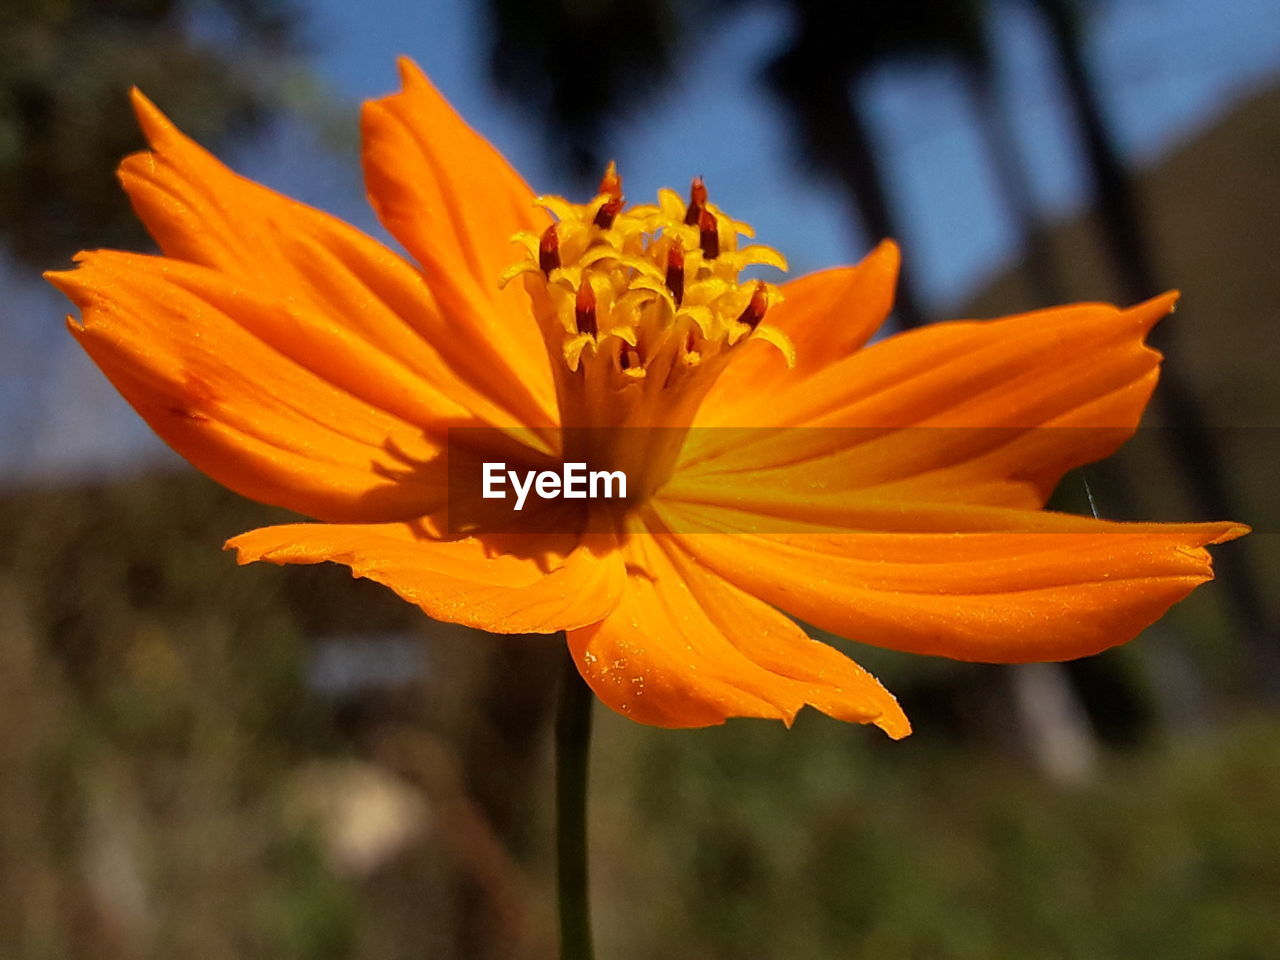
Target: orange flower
(889, 493)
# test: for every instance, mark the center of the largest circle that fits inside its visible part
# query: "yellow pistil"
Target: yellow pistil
(640, 308)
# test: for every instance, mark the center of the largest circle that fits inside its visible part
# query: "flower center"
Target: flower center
(641, 307)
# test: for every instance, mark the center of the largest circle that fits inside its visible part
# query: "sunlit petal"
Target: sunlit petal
(963, 582)
(454, 203)
(684, 648)
(521, 585)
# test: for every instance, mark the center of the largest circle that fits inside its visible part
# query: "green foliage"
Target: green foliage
(154, 712)
(312, 915)
(824, 842)
(156, 723)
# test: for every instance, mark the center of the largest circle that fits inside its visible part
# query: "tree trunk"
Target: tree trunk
(1012, 178)
(825, 107)
(1191, 441)
(860, 173)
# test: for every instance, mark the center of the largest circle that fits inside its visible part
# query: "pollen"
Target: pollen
(642, 306)
(661, 279)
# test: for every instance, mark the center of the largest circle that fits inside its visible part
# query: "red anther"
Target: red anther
(708, 235)
(549, 250)
(608, 211)
(675, 270)
(611, 183)
(697, 202)
(584, 311)
(756, 306)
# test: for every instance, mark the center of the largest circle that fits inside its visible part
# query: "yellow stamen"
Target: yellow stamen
(611, 189)
(675, 270)
(611, 183)
(697, 202)
(641, 307)
(708, 235)
(549, 251)
(585, 310)
(756, 307)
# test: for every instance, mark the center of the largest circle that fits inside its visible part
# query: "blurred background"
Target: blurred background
(280, 763)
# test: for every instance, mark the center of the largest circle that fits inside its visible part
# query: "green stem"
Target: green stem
(573, 743)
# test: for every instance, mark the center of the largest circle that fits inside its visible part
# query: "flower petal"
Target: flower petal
(827, 316)
(988, 413)
(454, 203)
(247, 414)
(684, 648)
(1017, 371)
(200, 211)
(512, 584)
(1003, 586)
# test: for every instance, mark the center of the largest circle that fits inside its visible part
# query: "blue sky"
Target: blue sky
(1169, 67)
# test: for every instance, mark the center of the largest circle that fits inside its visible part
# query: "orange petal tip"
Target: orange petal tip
(888, 247)
(895, 725)
(151, 119)
(886, 256)
(243, 557)
(411, 75)
(68, 284)
(1232, 531)
(1150, 312)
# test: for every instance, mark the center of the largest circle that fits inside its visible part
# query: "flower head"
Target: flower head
(890, 493)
